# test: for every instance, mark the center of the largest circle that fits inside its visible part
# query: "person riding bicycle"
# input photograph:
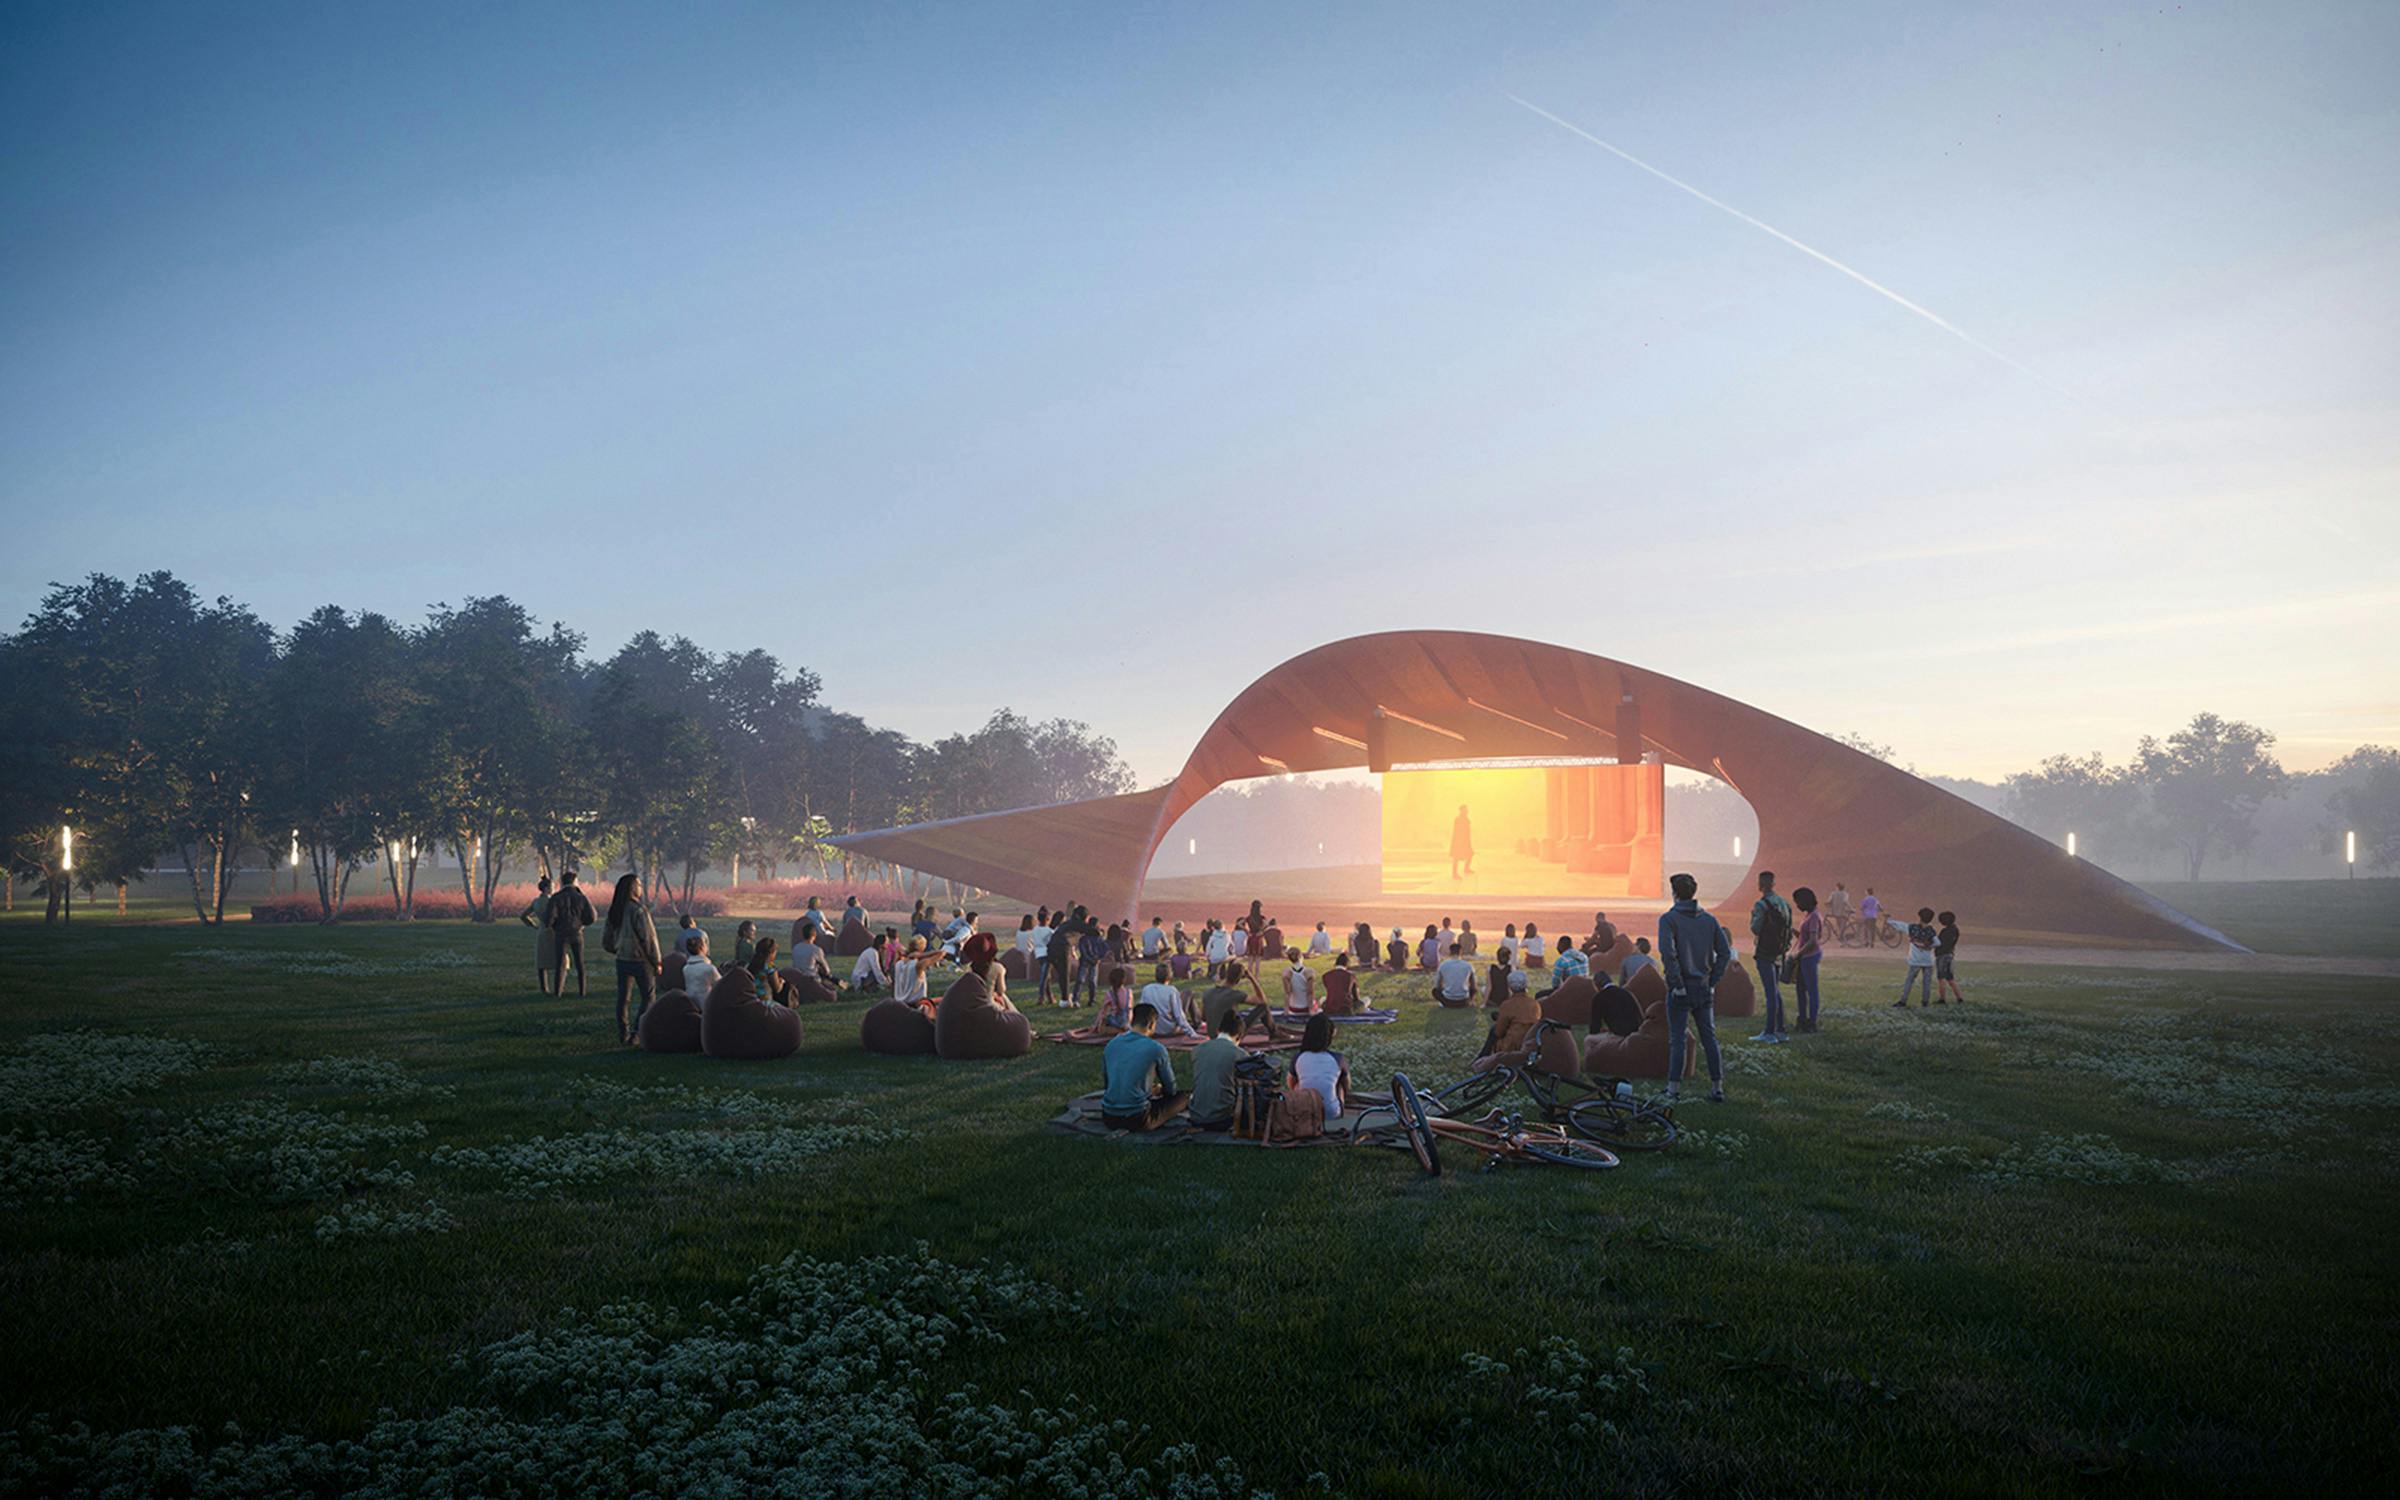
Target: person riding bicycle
(1693, 952)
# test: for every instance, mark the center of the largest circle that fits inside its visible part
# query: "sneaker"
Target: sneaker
(1764, 1036)
(1717, 1094)
(1670, 1095)
(1901, 1003)
(1780, 1037)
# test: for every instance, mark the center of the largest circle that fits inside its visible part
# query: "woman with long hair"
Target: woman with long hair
(1808, 953)
(633, 938)
(1317, 1066)
(765, 977)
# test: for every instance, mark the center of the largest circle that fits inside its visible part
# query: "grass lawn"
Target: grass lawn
(2126, 1231)
(2349, 918)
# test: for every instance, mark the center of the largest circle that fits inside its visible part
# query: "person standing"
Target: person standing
(1462, 842)
(570, 913)
(1092, 951)
(1922, 935)
(536, 915)
(633, 938)
(1870, 917)
(1808, 953)
(1770, 940)
(1693, 953)
(1945, 949)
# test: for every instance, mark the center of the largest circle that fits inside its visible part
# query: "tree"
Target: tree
(329, 703)
(2366, 800)
(2206, 783)
(2086, 795)
(1013, 762)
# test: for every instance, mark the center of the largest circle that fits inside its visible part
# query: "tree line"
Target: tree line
(152, 721)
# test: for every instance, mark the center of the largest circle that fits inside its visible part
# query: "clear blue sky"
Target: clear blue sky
(1093, 358)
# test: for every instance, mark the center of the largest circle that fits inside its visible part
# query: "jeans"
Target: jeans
(631, 976)
(1909, 980)
(1087, 980)
(570, 955)
(1698, 1007)
(1804, 987)
(1773, 991)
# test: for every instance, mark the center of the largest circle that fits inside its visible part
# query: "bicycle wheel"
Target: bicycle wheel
(1406, 1105)
(1892, 936)
(1566, 1151)
(1621, 1126)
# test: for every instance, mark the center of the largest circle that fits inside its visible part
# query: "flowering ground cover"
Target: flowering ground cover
(354, 1211)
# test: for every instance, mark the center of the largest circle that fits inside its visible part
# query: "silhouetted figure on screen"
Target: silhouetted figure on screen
(1462, 842)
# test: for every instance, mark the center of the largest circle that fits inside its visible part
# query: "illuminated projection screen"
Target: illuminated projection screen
(1578, 830)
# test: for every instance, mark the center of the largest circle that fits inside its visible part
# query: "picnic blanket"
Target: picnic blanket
(1364, 1016)
(1093, 1036)
(1082, 1117)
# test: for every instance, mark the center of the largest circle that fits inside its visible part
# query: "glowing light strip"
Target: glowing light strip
(1448, 734)
(1278, 765)
(1502, 713)
(1339, 739)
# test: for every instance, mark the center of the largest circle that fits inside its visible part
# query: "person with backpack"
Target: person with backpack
(633, 937)
(569, 913)
(1771, 939)
(1693, 953)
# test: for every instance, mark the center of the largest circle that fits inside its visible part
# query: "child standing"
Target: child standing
(1945, 948)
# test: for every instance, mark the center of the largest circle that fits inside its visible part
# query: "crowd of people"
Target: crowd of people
(1068, 957)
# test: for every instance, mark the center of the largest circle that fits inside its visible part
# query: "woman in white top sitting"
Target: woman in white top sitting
(1220, 950)
(1317, 1066)
(1299, 987)
(1321, 943)
(699, 975)
(908, 975)
(866, 975)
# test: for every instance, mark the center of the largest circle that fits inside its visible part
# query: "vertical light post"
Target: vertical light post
(2070, 846)
(66, 866)
(2350, 852)
(1737, 848)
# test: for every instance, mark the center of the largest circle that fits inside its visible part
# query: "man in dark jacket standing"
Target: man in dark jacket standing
(1693, 952)
(570, 912)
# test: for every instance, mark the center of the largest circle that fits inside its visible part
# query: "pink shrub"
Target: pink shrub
(776, 895)
(448, 904)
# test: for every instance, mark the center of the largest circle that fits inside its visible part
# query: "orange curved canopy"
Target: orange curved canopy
(1825, 812)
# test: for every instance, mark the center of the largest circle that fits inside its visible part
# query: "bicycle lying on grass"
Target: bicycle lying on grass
(1605, 1111)
(1500, 1136)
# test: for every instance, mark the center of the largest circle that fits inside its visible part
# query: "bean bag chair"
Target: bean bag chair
(1571, 1003)
(1015, 964)
(968, 1025)
(1560, 1056)
(1613, 960)
(808, 989)
(735, 1023)
(854, 938)
(896, 1028)
(671, 1023)
(1604, 937)
(670, 975)
(1649, 987)
(1641, 1055)
(1737, 992)
(1615, 1010)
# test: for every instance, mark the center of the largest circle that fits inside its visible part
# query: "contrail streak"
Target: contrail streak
(1813, 253)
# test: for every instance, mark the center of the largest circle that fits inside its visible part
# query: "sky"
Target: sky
(1093, 359)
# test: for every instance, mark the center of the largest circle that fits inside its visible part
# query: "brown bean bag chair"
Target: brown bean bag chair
(854, 938)
(1641, 1055)
(1571, 1003)
(1015, 964)
(896, 1028)
(1737, 992)
(968, 1025)
(736, 1024)
(1612, 961)
(1649, 987)
(670, 975)
(1604, 937)
(1560, 1057)
(671, 1023)
(808, 989)
(1615, 1010)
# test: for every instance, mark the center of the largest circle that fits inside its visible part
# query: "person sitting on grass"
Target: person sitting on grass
(1395, 953)
(699, 975)
(1531, 948)
(1341, 987)
(745, 942)
(1138, 1078)
(1499, 974)
(1320, 943)
(1317, 1066)
(1215, 1066)
(1227, 1001)
(1183, 941)
(1430, 946)
(1161, 995)
(1454, 982)
(1116, 1006)
(1299, 986)
(1636, 961)
(866, 973)
(1220, 950)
